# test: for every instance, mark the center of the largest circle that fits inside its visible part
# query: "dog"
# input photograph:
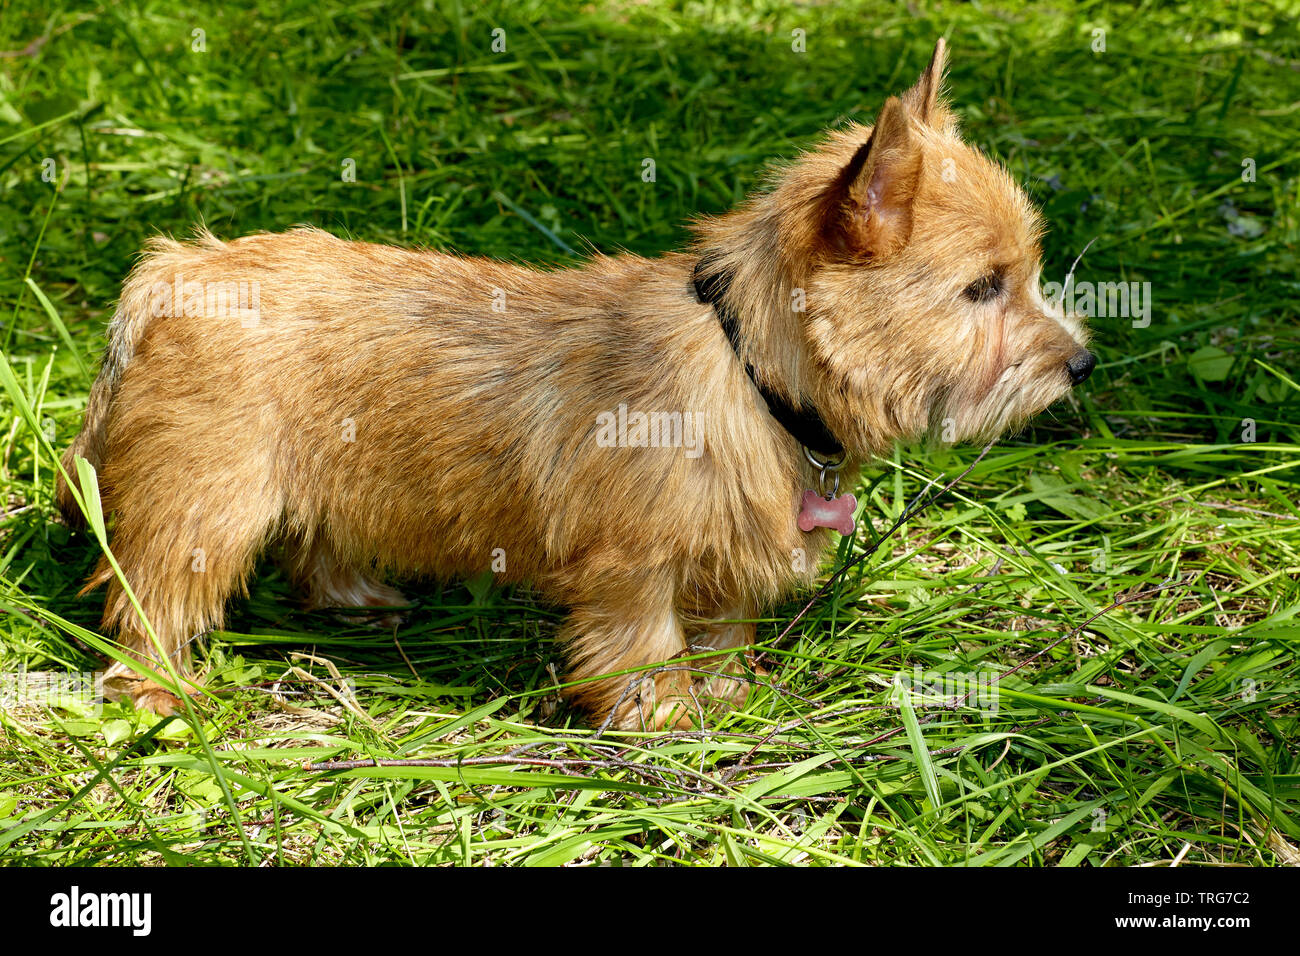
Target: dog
(653, 443)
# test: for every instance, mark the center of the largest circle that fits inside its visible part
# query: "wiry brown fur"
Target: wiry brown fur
(476, 430)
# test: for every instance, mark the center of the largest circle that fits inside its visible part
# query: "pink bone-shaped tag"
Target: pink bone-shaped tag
(837, 513)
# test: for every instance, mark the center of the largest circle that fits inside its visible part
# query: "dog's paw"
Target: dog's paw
(157, 699)
(122, 683)
(682, 701)
(367, 603)
(143, 694)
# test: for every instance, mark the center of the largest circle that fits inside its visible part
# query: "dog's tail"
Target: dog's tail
(126, 329)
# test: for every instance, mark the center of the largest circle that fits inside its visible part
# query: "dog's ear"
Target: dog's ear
(867, 213)
(925, 100)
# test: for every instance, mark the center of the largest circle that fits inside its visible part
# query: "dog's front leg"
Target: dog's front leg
(624, 640)
(724, 678)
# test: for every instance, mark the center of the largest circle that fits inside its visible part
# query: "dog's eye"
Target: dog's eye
(985, 288)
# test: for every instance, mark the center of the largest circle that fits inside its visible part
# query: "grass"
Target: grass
(1161, 729)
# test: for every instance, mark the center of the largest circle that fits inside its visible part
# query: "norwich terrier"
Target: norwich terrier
(653, 443)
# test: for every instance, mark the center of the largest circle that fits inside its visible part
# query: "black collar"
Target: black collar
(804, 424)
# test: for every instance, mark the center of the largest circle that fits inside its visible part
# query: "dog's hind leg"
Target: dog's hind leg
(184, 558)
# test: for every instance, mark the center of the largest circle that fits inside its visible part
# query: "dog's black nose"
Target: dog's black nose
(1080, 367)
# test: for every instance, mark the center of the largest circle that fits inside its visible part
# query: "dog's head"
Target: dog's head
(916, 260)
